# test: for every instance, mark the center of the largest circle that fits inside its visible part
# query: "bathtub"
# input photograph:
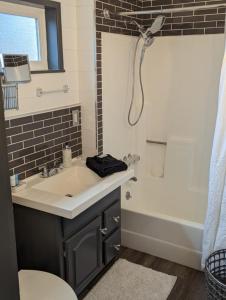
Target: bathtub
(169, 230)
(166, 213)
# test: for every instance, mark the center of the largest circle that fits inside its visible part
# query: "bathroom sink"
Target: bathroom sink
(69, 192)
(70, 182)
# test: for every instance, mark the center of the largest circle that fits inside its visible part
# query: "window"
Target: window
(28, 43)
(33, 28)
(23, 31)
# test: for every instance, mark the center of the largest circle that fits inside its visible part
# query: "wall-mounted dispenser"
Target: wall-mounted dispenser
(15, 69)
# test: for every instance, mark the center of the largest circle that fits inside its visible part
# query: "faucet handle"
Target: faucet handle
(58, 164)
(44, 170)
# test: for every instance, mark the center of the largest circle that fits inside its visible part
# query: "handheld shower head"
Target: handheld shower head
(150, 31)
(156, 25)
(148, 38)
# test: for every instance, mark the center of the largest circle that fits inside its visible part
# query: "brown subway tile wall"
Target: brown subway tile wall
(39, 139)
(208, 21)
(205, 21)
(116, 23)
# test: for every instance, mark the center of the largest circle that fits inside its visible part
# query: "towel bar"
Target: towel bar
(40, 92)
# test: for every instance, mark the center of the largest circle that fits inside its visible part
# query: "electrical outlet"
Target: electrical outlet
(75, 117)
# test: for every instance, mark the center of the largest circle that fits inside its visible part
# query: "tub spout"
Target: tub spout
(134, 179)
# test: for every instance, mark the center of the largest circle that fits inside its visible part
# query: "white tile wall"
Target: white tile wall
(28, 101)
(79, 36)
(181, 81)
(87, 73)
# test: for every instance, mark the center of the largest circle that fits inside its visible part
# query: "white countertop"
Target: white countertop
(83, 185)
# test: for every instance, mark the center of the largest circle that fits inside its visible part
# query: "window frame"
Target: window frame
(53, 26)
(39, 15)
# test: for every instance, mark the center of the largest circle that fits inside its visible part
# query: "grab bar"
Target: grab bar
(156, 142)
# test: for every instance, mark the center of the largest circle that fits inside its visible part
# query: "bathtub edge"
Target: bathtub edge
(163, 249)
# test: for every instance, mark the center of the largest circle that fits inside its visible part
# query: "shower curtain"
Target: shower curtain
(215, 224)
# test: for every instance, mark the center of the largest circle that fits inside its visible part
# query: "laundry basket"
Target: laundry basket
(215, 272)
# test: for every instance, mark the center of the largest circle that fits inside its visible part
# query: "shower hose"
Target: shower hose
(133, 123)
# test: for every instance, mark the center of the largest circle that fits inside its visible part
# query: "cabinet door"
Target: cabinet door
(84, 255)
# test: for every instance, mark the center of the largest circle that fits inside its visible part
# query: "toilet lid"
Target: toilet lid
(38, 285)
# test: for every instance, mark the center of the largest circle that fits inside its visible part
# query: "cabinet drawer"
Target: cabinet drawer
(70, 227)
(112, 246)
(112, 217)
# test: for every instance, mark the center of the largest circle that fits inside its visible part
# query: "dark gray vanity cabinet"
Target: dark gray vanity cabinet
(83, 253)
(78, 250)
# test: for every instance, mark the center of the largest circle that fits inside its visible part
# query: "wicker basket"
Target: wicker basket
(215, 272)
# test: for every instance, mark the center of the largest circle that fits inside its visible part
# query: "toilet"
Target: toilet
(38, 285)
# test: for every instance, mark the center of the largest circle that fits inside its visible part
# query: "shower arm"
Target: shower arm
(107, 15)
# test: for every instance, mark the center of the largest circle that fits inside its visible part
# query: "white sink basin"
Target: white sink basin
(72, 181)
(70, 192)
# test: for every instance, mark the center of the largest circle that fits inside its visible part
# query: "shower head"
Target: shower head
(157, 25)
(148, 33)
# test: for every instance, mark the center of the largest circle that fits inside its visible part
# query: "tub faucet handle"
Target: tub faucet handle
(128, 195)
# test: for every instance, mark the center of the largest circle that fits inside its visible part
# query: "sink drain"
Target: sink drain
(69, 195)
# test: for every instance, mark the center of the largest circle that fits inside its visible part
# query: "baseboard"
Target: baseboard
(175, 253)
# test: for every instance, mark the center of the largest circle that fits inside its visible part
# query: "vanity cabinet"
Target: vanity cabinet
(78, 250)
(83, 253)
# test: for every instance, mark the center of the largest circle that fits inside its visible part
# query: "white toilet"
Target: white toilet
(38, 285)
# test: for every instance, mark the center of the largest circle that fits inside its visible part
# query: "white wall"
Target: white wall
(181, 78)
(78, 30)
(117, 52)
(86, 34)
(28, 101)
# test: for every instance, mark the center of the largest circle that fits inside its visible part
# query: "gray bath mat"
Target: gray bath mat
(127, 281)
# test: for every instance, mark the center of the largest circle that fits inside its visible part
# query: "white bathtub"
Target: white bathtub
(152, 227)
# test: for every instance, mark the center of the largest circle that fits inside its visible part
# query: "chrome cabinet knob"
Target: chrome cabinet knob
(104, 231)
(116, 219)
(117, 247)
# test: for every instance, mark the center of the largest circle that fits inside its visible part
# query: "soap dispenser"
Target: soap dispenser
(67, 156)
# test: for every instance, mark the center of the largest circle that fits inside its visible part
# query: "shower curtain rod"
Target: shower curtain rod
(169, 10)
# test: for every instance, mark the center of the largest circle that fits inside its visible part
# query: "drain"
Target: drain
(69, 195)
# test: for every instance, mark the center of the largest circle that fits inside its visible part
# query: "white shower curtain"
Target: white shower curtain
(215, 224)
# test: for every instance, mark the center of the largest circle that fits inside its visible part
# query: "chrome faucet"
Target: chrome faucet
(131, 159)
(46, 172)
